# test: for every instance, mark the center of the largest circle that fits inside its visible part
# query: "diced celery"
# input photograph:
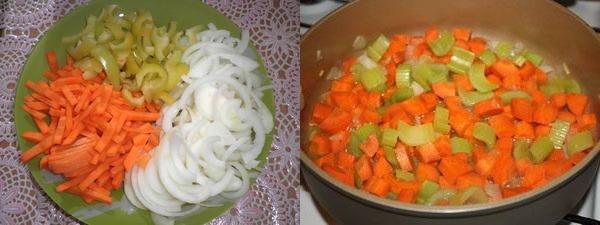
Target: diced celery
(487, 57)
(519, 60)
(442, 44)
(441, 194)
(478, 79)
(503, 49)
(509, 95)
(403, 75)
(404, 175)
(571, 86)
(427, 73)
(401, 94)
(460, 145)
(426, 191)
(389, 137)
(416, 135)
(534, 58)
(440, 120)
(552, 87)
(373, 79)
(357, 69)
(421, 73)
(521, 149)
(558, 132)
(579, 142)
(470, 98)
(484, 132)
(379, 46)
(359, 135)
(439, 73)
(471, 195)
(366, 62)
(540, 149)
(390, 156)
(461, 60)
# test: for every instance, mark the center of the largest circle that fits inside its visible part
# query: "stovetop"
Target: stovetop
(311, 11)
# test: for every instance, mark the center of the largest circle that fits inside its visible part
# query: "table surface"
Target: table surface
(273, 26)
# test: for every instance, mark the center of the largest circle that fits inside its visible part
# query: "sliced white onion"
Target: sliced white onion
(212, 135)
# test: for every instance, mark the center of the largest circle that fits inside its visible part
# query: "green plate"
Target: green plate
(187, 13)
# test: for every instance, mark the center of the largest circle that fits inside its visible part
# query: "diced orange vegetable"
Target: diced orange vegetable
(427, 171)
(577, 103)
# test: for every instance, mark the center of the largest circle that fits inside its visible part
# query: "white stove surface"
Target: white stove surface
(310, 213)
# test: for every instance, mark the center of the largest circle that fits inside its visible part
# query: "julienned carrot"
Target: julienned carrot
(519, 111)
(85, 140)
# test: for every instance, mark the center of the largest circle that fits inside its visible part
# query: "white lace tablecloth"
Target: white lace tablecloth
(273, 25)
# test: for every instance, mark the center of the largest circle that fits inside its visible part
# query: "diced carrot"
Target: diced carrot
(577, 103)
(345, 160)
(462, 34)
(558, 100)
(341, 86)
(370, 146)
(427, 171)
(444, 89)
(415, 106)
(378, 186)
(344, 100)
(369, 116)
(320, 112)
(488, 107)
(545, 114)
(502, 125)
(470, 180)
(505, 68)
(524, 130)
(509, 192)
(477, 45)
(540, 76)
(503, 169)
(566, 116)
(522, 109)
(527, 70)
(556, 168)
(430, 100)
(427, 153)
(381, 167)
(336, 122)
(326, 160)
(460, 120)
(407, 196)
(462, 81)
(586, 121)
(452, 167)
(453, 103)
(542, 130)
(363, 168)
(402, 157)
(539, 97)
(431, 34)
(442, 145)
(338, 141)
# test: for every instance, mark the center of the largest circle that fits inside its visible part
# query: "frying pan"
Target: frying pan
(542, 26)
